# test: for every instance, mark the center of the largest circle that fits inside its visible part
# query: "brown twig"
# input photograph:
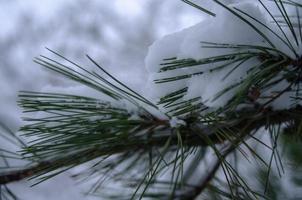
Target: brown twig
(203, 183)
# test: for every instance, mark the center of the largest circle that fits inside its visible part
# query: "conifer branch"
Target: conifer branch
(77, 129)
(191, 138)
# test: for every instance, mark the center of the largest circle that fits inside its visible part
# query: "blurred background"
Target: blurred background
(115, 33)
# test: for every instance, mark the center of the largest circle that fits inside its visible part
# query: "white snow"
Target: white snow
(176, 123)
(224, 28)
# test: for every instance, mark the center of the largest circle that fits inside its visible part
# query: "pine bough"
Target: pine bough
(223, 87)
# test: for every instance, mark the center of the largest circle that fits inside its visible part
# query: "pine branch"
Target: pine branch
(77, 129)
(17, 175)
(191, 135)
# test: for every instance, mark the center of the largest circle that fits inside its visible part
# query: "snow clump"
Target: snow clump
(224, 28)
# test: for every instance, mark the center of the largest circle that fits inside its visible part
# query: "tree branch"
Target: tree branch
(190, 133)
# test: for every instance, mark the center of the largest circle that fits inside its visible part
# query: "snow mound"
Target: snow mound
(188, 44)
